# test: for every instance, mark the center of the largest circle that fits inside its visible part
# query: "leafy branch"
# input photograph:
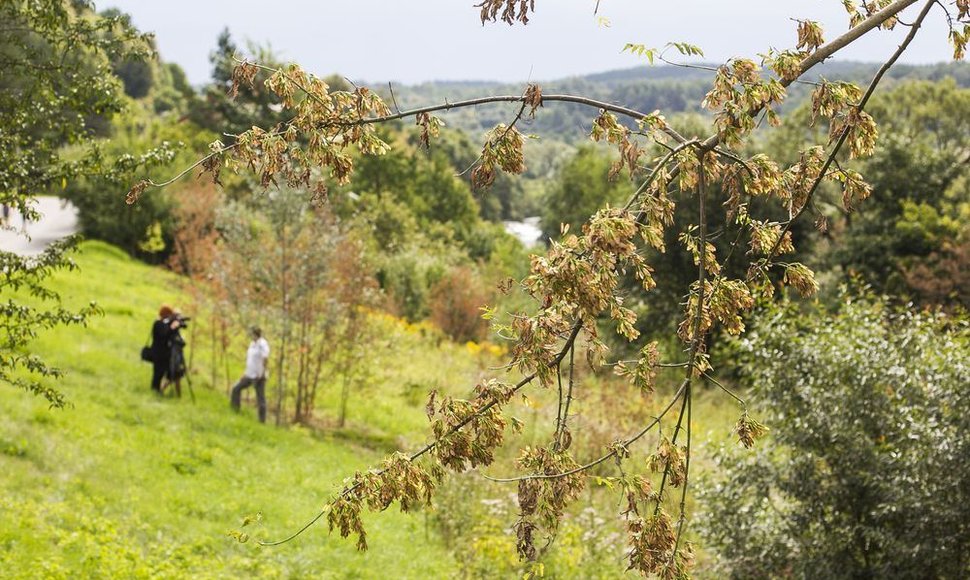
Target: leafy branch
(578, 280)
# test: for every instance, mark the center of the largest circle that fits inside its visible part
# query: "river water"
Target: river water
(527, 231)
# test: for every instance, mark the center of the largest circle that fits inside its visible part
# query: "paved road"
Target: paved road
(58, 219)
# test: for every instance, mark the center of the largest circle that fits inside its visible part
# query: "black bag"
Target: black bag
(146, 351)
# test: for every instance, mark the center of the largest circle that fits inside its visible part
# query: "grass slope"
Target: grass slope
(128, 485)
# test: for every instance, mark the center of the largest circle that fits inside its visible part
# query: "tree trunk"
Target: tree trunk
(284, 314)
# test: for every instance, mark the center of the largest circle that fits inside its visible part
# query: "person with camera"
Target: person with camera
(177, 367)
(164, 331)
(257, 364)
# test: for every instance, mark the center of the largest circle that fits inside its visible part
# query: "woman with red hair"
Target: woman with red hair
(163, 331)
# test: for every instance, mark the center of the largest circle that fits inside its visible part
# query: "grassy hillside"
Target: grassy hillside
(125, 484)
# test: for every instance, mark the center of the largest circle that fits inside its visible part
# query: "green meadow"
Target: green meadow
(125, 484)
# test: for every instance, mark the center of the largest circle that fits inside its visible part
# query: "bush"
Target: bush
(456, 302)
(144, 229)
(407, 280)
(864, 475)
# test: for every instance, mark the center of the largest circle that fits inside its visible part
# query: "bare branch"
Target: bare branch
(726, 390)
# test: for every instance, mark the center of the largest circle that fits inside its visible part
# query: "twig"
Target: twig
(393, 98)
(626, 443)
(564, 98)
(656, 171)
(683, 491)
(673, 440)
(726, 390)
(569, 392)
(696, 338)
(735, 158)
(559, 421)
(663, 59)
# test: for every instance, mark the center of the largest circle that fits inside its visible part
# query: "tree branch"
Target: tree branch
(830, 48)
(626, 443)
(845, 131)
(567, 347)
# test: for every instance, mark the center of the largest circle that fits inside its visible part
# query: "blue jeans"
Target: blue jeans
(260, 394)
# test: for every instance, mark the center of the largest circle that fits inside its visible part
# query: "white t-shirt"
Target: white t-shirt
(257, 355)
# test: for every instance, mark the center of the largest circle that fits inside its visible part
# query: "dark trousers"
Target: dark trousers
(158, 373)
(260, 395)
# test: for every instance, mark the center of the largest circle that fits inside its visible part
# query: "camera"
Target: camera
(183, 320)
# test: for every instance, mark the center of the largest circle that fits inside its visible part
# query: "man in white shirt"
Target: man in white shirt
(257, 362)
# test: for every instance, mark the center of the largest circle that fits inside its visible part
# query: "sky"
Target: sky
(422, 40)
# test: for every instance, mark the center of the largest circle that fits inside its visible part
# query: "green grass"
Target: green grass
(124, 484)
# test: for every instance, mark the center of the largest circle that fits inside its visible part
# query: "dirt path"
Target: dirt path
(58, 219)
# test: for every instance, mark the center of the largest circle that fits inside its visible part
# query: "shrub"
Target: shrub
(456, 301)
(864, 475)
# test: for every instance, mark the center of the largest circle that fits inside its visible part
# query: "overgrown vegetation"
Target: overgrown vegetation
(55, 92)
(864, 474)
(578, 284)
(368, 249)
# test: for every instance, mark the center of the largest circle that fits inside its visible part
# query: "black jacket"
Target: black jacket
(162, 341)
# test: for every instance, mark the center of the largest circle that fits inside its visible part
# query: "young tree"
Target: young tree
(353, 292)
(295, 268)
(579, 279)
(266, 268)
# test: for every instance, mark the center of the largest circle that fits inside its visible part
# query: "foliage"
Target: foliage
(581, 188)
(578, 283)
(55, 91)
(456, 302)
(473, 516)
(422, 182)
(863, 474)
(943, 277)
(294, 270)
(353, 292)
(221, 112)
(55, 56)
(21, 318)
(410, 250)
(195, 237)
(102, 213)
(505, 199)
(919, 193)
(921, 179)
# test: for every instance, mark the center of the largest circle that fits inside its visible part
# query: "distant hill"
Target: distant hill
(645, 88)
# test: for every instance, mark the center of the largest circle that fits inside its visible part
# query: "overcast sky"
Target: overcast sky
(420, 40)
